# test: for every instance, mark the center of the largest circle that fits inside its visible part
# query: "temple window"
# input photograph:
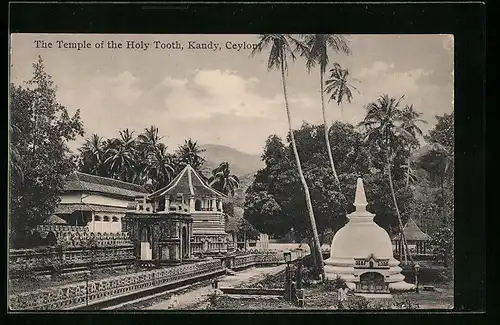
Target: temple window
(105, 219)
(97, 218)
(115, 219)
(141, 207)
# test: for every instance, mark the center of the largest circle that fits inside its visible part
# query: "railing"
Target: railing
(33, 261)
(261, 258)
(80, 236)
(80, 294)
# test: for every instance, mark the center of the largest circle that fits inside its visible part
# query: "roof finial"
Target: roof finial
(360, 198)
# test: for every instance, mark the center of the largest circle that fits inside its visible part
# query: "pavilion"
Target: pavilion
(415, 238)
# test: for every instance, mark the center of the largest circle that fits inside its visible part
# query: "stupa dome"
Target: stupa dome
(361, 241)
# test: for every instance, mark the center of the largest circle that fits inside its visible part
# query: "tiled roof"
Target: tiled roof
(78, 181)
(412, 232)
(72, 207)
(188, 182)
(54, 220)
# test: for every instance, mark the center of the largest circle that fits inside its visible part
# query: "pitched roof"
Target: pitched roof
(412, 232)
(54, 220)
(188, 182)
(78, 181)
(72, 207)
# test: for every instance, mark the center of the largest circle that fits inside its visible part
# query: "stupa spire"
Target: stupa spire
(360, 198)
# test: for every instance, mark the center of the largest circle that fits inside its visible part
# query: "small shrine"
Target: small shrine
(159, 235)
(415, 238)
(361, 253)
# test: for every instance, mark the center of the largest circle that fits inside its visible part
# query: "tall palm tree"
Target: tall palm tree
(318, 45)
(222, 179)
(189, 154)
(339, 88)
(149, 140)
(92, 156)
(121, 156)
(390, 128)
(159, 167)
(280, 49)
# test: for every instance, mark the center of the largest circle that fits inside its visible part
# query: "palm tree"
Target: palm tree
(339, 88)
(159, 167)
(390, 128)
(121, 156)
(318, 45)
(222, 179)
(149, 140)
(92, 156)
(189, 154)
(280, 49)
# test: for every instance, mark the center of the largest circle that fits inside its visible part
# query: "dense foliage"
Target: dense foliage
(39, 155)
(274, 202)
(138, 159)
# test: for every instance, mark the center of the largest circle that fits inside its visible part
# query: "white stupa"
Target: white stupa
(361, 253)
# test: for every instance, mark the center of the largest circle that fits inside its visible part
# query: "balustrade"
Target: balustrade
(74, 295)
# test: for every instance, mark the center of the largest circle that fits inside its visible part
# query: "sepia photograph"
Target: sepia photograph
(222, 172)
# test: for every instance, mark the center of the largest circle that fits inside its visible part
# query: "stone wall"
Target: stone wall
(33, 261)
(78, 294)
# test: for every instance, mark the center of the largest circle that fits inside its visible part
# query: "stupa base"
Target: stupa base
(401, 286)
(374, 295)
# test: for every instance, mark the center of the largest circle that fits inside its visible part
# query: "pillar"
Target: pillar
(214, 205)
(220, 205)
(191, 204)
(167, 203)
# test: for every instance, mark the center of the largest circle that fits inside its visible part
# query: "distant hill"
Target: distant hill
(240, 163)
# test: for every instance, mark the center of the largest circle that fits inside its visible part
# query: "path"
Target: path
(196, 296)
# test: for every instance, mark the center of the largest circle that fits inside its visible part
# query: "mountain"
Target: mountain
(241, 163)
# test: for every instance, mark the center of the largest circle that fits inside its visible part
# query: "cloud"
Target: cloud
(218, 92)
(383, 78)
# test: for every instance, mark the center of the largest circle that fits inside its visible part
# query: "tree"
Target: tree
(338, 86)
(389, 128)
(159, 166)
(41, 129)
(318, 45)
(281, 49)
(121, 158)
(92, 156)
(222, 179)
(189, 154)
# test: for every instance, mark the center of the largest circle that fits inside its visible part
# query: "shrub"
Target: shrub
(404, 302)
(334, 284)
(357, 303)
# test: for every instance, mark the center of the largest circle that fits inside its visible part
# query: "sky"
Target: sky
(225, 96)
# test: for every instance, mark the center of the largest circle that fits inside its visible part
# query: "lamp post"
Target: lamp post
(417, 269)
(288, 282)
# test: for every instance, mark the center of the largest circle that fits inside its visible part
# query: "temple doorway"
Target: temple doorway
(146, 251)
(371, 282)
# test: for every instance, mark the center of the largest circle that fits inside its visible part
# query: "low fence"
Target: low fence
(32, 261)
(82, 294)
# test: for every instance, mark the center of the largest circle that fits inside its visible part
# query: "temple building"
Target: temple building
(190, 197)
(99, 203)
(361, 253)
